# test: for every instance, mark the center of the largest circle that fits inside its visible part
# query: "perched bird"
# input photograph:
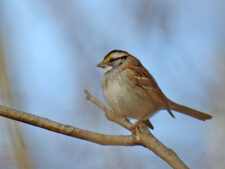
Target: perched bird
(132, 92)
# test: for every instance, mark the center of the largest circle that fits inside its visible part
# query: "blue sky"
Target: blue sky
(52, 50)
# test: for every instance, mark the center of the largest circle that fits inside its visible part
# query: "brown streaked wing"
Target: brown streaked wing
(142, 77)
(146, 81)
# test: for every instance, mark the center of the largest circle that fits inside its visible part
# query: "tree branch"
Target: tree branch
(142, 135)
(65, 129)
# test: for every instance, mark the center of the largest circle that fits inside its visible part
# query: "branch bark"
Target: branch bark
(142, 135)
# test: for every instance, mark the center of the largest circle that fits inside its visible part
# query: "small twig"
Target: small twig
(108, 113)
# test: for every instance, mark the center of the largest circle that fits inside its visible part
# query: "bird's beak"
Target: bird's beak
(102, 65)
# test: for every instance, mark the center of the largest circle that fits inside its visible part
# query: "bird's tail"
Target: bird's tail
(188, 111)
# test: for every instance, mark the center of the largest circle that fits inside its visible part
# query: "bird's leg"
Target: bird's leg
(134, 126)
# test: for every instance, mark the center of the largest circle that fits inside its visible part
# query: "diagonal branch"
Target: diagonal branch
(108, 113)
(142, 135)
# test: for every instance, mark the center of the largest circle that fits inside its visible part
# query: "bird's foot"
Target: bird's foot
(135, 125)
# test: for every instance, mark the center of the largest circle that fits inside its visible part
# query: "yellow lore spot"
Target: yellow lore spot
(107, 58)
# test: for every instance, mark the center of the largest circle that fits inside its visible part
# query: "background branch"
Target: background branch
(142, 135)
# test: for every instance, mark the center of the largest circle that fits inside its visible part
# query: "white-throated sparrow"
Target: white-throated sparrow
(132, 92)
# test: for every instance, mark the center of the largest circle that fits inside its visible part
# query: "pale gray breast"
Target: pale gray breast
(122, 98)
(114, 90)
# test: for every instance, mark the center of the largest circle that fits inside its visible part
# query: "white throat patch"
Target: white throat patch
(107, 68)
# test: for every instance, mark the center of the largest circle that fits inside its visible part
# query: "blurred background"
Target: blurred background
(48, 56)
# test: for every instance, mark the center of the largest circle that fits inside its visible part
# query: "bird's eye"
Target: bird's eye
(111, 60)
(124, 57)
